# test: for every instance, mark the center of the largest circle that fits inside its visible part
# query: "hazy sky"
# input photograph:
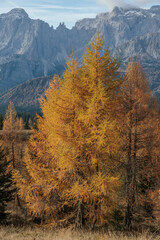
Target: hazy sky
(69, 11)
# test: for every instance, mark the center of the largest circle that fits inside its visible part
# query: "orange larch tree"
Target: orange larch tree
(70, 177)
(11, 135)
(140, 123)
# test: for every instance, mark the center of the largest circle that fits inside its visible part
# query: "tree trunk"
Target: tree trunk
(128, 217)
(78, 223)
(128, 214)
(13, 158)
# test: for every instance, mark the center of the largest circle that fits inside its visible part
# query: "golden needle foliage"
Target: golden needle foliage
(70, 173)
(11, 136)
(140, 130)
(95, 132)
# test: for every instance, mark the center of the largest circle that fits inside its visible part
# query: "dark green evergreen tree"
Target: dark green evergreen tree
(6, 187)
(26, 124)
(1, 122)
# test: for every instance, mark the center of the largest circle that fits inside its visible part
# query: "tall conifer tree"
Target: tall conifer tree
(12, 140)
(6, 187)
(70, 175)
(140, 123)
(11, 135)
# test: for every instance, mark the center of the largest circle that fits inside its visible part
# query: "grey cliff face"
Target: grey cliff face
(123, 24)
(31, 48)
(24, 48)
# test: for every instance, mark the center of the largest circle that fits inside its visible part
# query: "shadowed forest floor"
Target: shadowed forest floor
(11, 233)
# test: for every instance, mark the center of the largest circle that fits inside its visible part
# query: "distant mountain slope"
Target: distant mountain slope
(31, 48)
(25, 96)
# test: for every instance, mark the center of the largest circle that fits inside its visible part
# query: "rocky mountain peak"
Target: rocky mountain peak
(61, 26)
(117, 10)
(16, 13)
(116, 13)
(155, 8)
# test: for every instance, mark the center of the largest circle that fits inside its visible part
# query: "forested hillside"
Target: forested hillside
(26, 95)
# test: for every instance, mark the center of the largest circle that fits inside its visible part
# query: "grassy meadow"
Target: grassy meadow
(11, 233)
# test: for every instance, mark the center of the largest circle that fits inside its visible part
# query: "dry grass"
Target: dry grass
(10, 233)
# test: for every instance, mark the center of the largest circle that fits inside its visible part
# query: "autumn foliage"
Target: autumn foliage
(139, 119)
(97, 139)
(12, 137)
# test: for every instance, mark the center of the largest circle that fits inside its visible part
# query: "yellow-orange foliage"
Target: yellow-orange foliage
(141, 146)
(11, 136)
(12, 141)
(70, 177)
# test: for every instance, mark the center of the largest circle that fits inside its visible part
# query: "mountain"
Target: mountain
(31, 48)
(122, 25)
(131, 34)
(26, 95)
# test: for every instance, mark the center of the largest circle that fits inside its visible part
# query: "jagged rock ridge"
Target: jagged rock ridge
(31, 48)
